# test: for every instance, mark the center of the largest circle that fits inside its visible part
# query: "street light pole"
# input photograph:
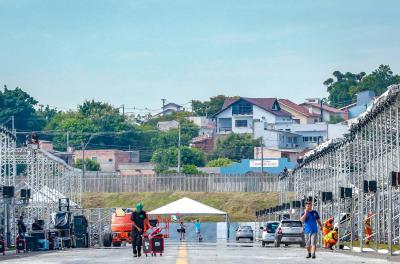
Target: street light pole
(179, 147)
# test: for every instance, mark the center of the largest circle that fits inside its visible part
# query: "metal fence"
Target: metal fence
(181, 183)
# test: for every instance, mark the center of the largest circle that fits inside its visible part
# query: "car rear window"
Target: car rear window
(245, 227)
(292, 224)
(272, 227)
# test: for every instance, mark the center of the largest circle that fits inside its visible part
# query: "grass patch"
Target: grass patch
(239, 206)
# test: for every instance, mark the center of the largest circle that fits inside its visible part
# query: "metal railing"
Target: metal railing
(181, 183)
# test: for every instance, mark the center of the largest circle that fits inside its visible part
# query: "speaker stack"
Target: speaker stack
(81, 231)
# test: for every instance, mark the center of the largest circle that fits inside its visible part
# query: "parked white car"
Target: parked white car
(268, 232)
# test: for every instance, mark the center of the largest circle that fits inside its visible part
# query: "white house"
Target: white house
(247, 115)
(328, 112)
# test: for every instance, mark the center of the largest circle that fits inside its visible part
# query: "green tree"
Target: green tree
(343, 88)
(165, 158)
(220, 162)
(91, 165)
(339, 88)
(208, 108)
(171, 138)
(236, 147)
(17, 103)
(191, 169)
(377, 81)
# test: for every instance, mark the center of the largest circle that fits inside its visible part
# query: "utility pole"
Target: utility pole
(322, 112)
(179, 147)
(67, 141)
(262, 155)
(123, 110)
(163, 105)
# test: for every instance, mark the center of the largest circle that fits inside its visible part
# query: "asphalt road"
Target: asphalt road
(194, 253)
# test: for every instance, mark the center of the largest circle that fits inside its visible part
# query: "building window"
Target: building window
(289, 139)
(295, 140)
(315, 120)
(241, 123)
(305, 139)
(242, 108)
(110, 160)
(276, 107)
(315, 139)
(320, 139)
(310, 139)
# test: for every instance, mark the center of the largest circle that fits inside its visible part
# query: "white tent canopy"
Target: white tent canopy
(186, 206)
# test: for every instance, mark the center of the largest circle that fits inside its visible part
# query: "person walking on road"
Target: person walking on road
(197, 227)
(310, 218)
(140, 223)
(182, 231)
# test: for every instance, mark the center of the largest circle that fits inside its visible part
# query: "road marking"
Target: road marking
(182, 255)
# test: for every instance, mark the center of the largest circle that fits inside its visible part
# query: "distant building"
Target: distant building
(244, 115)
(271, 166)
(364, 100)
(328, 112)
(169, 109)
(109, 159)
(131, 169)
(204, 142)
(291, 154)
(206, 125)
(46, 145)
(300, 114)
(167, 125)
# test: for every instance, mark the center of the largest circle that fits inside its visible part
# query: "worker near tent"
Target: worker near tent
(328, 227)
(140, 223)
(21, 227)
(331, 238)
(368, 228)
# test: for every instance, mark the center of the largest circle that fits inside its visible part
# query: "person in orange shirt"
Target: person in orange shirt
(328, 226)
(368, 228)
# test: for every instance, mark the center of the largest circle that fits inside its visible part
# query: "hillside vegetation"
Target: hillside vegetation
(240, 206)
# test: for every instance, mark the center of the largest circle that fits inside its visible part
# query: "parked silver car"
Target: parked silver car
(289, 232)
(268, 232)
(245, 232)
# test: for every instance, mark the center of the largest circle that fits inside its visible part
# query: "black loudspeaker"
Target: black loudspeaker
(32, 243)
(348, 192)
(80, 225)
(395, 179)
(8, 191)
(297, 204)
(372, 185)
(81, 242)
(342, 192)
(25, 194)
(365, 187)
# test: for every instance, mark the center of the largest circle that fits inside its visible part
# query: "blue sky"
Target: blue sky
(136, 52)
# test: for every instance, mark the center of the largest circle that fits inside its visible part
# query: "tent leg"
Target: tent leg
(227, 226)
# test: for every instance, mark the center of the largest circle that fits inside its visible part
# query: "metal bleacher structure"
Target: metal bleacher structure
(48, 177)
(346, 167)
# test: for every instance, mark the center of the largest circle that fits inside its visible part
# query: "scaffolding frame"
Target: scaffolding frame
(48, 177)
(371, 151)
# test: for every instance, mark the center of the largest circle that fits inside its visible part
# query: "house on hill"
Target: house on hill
(247, 115)
(300, 114)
